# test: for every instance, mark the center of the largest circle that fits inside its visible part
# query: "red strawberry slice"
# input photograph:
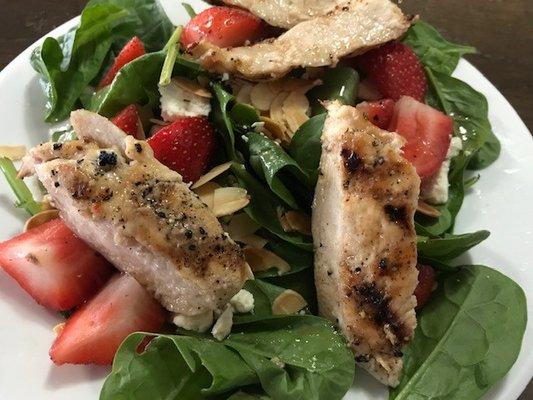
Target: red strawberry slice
(93, 334)
(186, 146)
(427, 131)
(132, 50)
(129, 121)
(396, 71)
(426, 282)
(378, 112)
(224, 27)
(54, 266)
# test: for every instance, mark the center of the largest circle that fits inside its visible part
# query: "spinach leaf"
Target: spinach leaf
(67, 65)
(468, 337)
(289, 357)
(264, 295)
(339, 83)
(220, 105)
(305, 146)
(449, 246)
(263, 208)
(22, 192)
(433, 50)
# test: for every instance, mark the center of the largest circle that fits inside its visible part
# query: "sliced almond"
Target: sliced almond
(243, 95)
(207, 193)
(426, 209)
(58, 328)
(46, 203)
(262, 260)
(262, 96)
(288, 302)
(254, 241)
(275, 132)
(248, 273)
(295, 109)
(295, 221)
(14, 153)
(40, 218)
(276, 110)
(209, 176)
(192, 87)
(240, 226)
(231, 207)
(228, 194)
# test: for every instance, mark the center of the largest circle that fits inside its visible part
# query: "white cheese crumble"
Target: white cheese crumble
(242, 302)
(199, 323)
(435, 191)
(222, 327)
(177, 102)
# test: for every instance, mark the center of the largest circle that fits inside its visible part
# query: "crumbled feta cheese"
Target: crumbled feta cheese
(435, 190)
(222, 327)
(177, 102)
(199, 323)
(242, 302)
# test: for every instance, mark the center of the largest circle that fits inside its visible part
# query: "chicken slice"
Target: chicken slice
(352, 29)
(117, 197)
(365, 242)
(287, 13)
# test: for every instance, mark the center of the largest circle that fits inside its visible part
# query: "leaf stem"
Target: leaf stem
(189, 9)
(21, 191)
(172, 48)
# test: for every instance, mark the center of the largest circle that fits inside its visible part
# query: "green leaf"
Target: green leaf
(468, 337)
(449, 246)
(339, 83)
(21, 191)
(264, 295)
(306, 147)
(288, 357)
(487, 154)
(67, 65)
(189, 9)
(220, 109)
(433, 50)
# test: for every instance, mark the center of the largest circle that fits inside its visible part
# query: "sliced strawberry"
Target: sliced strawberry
(129, 121)
(378, 112)
(186, 146)
(224, 27)
(427, 131)
(93, 334)
(54, 266)
(396, 71)
(132, 50)
(426, 282)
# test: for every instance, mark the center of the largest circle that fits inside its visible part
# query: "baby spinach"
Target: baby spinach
(468, 337)
(287, 357)
(339, 83)
(449, 246)
(264, 295)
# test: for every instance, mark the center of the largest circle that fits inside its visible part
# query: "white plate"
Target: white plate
(502, 202)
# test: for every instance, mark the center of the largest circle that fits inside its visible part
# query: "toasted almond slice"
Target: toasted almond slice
(212, 174)
(426, 209)
(262, 260)
(295, 221)
(295, 109)
(254, 241)
(46, 203)
(230, 207)
(288, 302)
(243, 95)
(228, 194)
(14, 153)
(262, 96)
(276, 110)
(207, 193)
(58, 328)
(277, 85)
(40, 218)
(274, 131)
(192, 87)
(248, 273)
(241, 225)
(295, 119)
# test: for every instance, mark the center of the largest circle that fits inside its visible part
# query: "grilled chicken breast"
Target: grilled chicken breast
(287, 13)
(117, 197)
(354, 28)
(364, 237)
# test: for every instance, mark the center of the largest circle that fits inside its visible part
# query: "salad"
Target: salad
(259, 203)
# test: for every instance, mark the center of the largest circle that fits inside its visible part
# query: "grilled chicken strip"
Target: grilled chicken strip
(287, 13)
(352, 29)
(117, 197)
(364, 237)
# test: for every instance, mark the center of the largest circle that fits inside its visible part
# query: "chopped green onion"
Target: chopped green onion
(172, 48)
(189, 9)
(23, 193)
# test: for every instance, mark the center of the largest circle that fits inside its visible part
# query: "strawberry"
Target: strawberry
(427, 131)
(224, 27)
(426, 281)
(54, 266)
(93, 334)
(132, 50)
(129, 121)
(186, 146)
(395, 70)
(378, 112)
